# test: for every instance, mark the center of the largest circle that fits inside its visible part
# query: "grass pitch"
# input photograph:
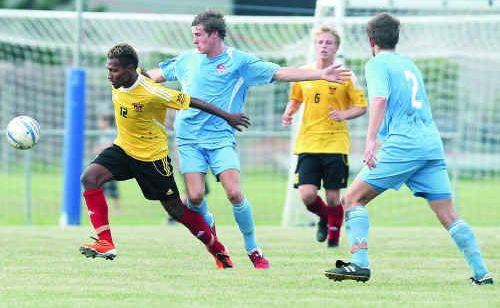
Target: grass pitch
(165, 267)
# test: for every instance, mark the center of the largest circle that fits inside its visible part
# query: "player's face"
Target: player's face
(203, 41)
(118, 76)
(326, 46)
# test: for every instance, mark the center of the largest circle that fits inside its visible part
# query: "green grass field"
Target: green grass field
(165, 267)
(477, 202)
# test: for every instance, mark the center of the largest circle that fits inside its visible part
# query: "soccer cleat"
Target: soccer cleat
(258, 260)
(332, 243)
(221, 255)
(345, 271)
(487, 279)
(100, 249)
(223, 260)
(322, 231)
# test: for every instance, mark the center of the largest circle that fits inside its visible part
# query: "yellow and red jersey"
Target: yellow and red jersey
(140, 117)
(318, 132)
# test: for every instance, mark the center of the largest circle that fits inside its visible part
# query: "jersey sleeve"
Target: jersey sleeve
(376, 79)
(168, 69)
(296, 92)
(256, 71)
(355, 93)
(172, 99)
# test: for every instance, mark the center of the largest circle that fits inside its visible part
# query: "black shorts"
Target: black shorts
(156, 178)
(111, 190)
(333, 169)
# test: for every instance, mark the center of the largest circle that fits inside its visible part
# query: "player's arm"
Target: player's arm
(333, 73)
(343, 115)
(234, 119)
(290, 110)
(378, 106)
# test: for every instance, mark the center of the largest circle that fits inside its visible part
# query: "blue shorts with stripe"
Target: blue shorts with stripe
(198, 158)
(425, 178)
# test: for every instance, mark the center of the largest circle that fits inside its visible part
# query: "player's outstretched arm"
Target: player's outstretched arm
(236, 120)
(333, 73)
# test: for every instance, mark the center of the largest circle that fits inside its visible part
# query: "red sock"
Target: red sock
(98, 213)
(335, 220)
(199, 228)
(319, 208)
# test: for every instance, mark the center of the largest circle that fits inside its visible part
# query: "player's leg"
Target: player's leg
(368, 185)
(199, 228)
(308, 176)
(357, 226)
(110, 163)
(335, 176)
(335, 216)
(157, 183)
(432, 183)
(242, 212)
(194, 166)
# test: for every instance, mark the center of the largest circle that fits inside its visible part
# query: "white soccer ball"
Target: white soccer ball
(23, 132)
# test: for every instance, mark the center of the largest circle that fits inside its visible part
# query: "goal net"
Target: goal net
(457, 54)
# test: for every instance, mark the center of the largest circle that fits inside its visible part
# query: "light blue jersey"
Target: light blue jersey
(222, 81)
(408, 131)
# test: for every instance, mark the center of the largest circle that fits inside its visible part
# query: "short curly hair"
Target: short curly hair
(125, 54)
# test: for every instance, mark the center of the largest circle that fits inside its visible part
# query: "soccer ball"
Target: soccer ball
(23, 132)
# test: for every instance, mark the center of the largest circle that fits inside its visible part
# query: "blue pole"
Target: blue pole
(74, 126)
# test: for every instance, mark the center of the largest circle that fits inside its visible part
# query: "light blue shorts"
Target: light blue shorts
(197, 158)
(425, 178)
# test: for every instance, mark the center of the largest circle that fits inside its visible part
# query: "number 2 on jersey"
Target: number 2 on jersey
(414, 89)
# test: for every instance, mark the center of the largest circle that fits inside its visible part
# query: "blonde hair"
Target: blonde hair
(326, 29)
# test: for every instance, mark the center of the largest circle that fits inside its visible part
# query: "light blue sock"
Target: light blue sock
(243, 215)
(202, 209)
(466, 241)
(357, 225)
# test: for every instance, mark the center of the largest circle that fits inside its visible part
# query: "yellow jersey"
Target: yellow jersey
(318, 132)
(140, 117)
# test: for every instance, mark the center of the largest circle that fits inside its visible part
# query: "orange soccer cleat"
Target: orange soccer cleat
(100, 248)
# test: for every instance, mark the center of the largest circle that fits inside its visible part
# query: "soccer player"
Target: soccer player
(323, 141)
(411, 153)
(140, 152)
(221, 76)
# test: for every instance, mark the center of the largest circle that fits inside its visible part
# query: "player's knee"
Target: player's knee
(349, 200)
(235, 196)
(196, 198)
(308, 196)
(174, 208)
(89, 181)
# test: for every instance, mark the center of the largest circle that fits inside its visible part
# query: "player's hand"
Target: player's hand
(370, 151)
(238, 120)
(286, 119)
(337, 115)
(335, 73)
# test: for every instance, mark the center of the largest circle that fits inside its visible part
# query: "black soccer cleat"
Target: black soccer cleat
(332, 244)
(322, 231)
(348, 271)
(487, 279)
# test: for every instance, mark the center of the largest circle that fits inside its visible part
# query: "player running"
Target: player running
(140, 152)
(221, 76)
(411, 153)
